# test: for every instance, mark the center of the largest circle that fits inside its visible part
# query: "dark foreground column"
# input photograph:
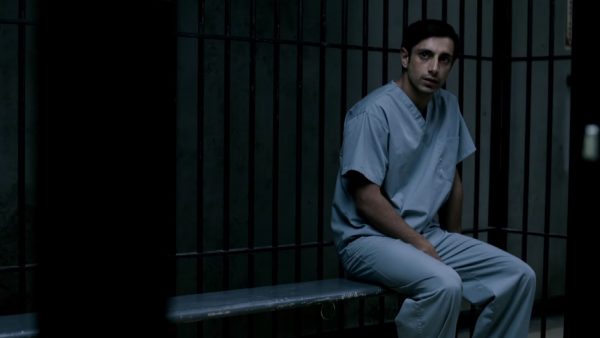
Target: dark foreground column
(106, 167)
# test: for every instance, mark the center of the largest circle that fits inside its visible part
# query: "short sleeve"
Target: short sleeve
(365, 146)
(466, 146)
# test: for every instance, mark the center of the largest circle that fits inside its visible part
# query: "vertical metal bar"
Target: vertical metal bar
(386, 42)
(226, 153)
(226, 141)
(299, 138)
(251, 141)
(478, 85)
(548, 195)
(275, 161)
(344, 65)
(321, 202)
(381, 319)
(299, 116)
(251, 154)
(21, 160)
(404, 15)
(200, 113)
(365, 48)
(461, 61)
(445, 10)
(500, 133)
(321, 164)
(424, 9)
(527, 145)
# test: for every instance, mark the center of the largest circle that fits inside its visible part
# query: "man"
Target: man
(396, 211)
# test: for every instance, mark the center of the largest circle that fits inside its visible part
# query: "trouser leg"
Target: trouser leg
(433, 288)
(499, 282)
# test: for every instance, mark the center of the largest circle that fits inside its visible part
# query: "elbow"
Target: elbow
(365, 199)
(362, 203)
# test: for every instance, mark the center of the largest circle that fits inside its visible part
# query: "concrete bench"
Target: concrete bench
(220, 304)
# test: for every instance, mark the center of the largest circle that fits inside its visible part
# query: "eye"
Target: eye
(425, 55)
(445, 59)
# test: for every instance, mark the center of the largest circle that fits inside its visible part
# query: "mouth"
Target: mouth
(430, 82)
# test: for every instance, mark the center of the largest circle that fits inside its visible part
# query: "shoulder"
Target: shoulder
(377, 104)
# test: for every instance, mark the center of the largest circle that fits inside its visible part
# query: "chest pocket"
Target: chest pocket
(447, 155)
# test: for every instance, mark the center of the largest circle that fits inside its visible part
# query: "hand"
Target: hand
(425, 246)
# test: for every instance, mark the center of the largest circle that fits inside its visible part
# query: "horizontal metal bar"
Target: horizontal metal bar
(282, 41)
(351, 47)
(540, 58)
(513, 230)
(15, 268)
(237, 251)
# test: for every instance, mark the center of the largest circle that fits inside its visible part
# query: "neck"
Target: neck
(420, 100)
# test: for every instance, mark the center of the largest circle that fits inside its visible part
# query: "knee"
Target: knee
(528, 278)
(453, 284)
(448, 284)
(522, 276)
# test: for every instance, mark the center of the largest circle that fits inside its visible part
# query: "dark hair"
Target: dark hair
(424, 29)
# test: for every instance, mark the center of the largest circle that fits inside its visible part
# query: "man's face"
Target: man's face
(429, 64)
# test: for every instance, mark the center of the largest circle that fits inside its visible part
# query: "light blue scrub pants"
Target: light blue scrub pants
(498, 282)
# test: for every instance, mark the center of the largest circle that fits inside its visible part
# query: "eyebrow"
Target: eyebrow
(420, 50)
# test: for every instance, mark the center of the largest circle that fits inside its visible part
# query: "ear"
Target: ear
(404, 56)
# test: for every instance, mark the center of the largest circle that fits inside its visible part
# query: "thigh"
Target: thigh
(394, 263)
(469, 255)
(484, 269)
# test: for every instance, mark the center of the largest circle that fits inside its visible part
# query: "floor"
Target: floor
(554, 328)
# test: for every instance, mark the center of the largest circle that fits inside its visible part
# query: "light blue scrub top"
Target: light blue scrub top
(414, 160)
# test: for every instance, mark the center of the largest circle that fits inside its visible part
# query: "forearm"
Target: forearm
(378, 211)
(380, 214)
(451, 213)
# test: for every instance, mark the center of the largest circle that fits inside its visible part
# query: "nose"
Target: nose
(434, 66)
